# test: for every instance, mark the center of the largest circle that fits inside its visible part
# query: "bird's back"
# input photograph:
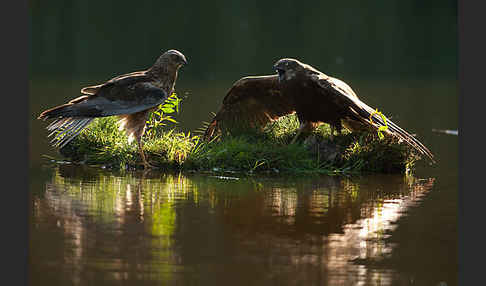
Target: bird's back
(124, 79)
(314, 103)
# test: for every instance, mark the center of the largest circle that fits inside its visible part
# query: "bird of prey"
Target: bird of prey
(131, 97)
(315, 97)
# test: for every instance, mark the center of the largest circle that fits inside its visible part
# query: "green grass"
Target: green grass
(268, 151)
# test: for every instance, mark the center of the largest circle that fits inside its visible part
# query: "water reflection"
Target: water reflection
(98, 227)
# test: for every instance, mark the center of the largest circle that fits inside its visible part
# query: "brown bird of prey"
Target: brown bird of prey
(315, 97)
(130, 97)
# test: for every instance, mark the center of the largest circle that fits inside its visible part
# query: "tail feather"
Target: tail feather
(66, 129)
(395, 130)
(56, 124)
(363, 112)
(78, 130)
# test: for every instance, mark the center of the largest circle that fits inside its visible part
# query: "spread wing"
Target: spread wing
(251, 102)
(356, 110)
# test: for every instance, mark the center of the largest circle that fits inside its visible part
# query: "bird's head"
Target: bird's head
(172, 60)
(174, 57)
(165, 69)
(288, 68)
(168, 64)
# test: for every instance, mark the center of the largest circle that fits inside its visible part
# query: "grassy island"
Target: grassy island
(102, 144)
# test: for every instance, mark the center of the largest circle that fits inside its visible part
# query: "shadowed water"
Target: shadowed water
(92, 227)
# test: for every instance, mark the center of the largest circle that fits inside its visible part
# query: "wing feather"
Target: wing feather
(356, 110)
(251, 102)
(124, 79)
(120, 100)
(111, 100)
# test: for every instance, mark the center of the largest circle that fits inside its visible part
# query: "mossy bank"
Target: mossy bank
(102, 144)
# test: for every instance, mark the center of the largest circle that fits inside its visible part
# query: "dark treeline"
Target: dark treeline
(228, 39)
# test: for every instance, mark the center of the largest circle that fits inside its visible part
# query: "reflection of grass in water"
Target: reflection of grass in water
(163, 220)
(101, 196)
(163, 216)
(108, 200)
(110, 196)
(269, 151)
(352, 189)
(343, 201)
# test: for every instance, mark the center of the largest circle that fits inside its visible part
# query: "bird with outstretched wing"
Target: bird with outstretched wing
(131, 97)
(251, 102)
(315, 97)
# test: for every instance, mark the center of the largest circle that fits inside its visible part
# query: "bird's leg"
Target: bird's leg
(337, 128)
(301, 127)
(306, 127)
(140, 150)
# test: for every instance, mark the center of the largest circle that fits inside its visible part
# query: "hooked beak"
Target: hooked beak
(184, 60)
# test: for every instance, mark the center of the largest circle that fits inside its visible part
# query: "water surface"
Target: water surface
(90, 227)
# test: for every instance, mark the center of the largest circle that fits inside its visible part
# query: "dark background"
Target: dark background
(229, 39)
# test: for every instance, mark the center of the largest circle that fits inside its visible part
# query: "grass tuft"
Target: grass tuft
(268, 151)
